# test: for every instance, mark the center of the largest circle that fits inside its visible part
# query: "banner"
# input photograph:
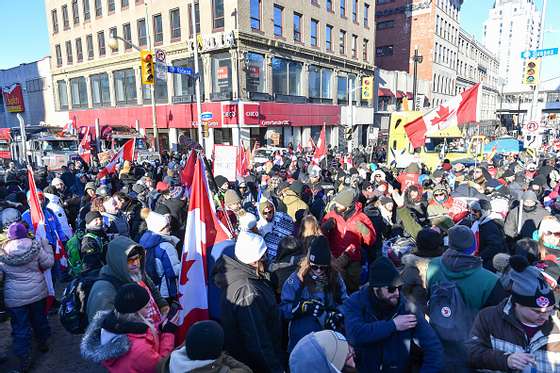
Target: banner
(13, 97)
(225, 161)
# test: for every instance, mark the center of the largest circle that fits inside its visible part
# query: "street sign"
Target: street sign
(536, 53)
(532, 141)
(179, 70)
(160, 55)
(532, 127)
(206, 115)
(161, 70)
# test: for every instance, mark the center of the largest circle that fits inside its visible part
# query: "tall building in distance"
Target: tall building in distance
(512, 27)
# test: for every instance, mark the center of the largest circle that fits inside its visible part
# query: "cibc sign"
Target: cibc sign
(230, 114)
(251, 113)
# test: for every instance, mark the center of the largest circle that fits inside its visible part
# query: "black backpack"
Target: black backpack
(72, 312)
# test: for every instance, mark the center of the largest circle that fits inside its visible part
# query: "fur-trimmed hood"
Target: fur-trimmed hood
(19, 252)
(91, 347)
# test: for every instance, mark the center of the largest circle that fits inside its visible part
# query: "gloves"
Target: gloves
(328, 225)
(334, 321)
(169, 327)
(309, 307)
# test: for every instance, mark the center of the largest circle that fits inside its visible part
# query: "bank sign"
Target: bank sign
(13, 97)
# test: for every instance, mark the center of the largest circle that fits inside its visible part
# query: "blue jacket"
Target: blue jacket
(293, 292)
(152, 243)
(52, 226)
(379, 346)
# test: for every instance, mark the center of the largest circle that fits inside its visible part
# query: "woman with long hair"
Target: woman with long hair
(312, 295)
(308, 230)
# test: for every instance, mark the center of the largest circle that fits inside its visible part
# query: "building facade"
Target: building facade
(512, 27)
(271, 71)
(31, 87)
(476, 64)
(431, 27)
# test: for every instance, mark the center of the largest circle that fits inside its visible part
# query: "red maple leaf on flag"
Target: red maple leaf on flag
(185, 268)
(443, 112)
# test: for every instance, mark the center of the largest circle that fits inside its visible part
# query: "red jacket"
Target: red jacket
(144, 353)
(350, 235)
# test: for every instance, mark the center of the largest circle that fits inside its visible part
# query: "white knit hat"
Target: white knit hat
(247, 222)
(156, 222)
(249, 248)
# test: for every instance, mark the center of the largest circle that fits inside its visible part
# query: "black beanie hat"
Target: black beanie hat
(319, 251)
(220, 180)
(131, 298)
(382, 273)
(204, 340)
(429, 243)
(92, 215)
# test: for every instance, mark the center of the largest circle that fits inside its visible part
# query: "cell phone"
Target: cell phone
(174, 307)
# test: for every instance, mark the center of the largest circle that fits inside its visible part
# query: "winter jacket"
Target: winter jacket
(56, 207)
(21, 264)
(133, 347)
(179, 362)
(116, 224)
(491, 240)
(283, 266)
(250, 316)
(309, 356)
(351, 234)
(295, 207)
(162, 261)
(378, 345)
(496, 333)
(274, 231)
(530, 221)
(53, 229)
(102, 293)
(479, 287)
(294, 292)
(415, 279)
(178, 210)
(131, 213)
(93, 249)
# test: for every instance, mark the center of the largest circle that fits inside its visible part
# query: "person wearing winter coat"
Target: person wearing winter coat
(386, 333)
(441, 202)
(22, 262)
(162, 262)
(114, 219)
(490, 226)
(130, 208)
(521, 333)
(532, 213)
(53, 229)
(311, 297)
(325, 351)
(125, 264)
(93, 248)
(250, 315)
(273, 226)
(124, 339)
(54, 204)
(85, 204)
(349, 231)
(290, 253)
(295, 206)
(177, 207)
(202, 352)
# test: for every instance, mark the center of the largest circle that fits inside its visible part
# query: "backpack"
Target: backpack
(73, 250)
(72, 312)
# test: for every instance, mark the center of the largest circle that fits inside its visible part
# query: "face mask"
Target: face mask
(440, 198)
(321, 277)
(529, 208)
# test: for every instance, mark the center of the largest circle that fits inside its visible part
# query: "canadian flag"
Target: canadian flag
(321, 149)
(125, 153)
(242, 163)
(84, 148)
(38, 222)
(203, 231)
(70, 127)
(311, 143)
(187, 173)
(461, 109)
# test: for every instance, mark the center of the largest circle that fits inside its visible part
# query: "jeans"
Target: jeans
(23, 319)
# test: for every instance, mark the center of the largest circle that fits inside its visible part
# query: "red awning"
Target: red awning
(400, 94)
(385, 92)
(409, 95)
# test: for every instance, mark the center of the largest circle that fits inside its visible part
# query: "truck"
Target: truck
(5, 139)
(120, 135)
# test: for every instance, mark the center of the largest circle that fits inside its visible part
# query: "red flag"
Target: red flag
(84, 149)
(459, 110)
(242, 163)
(299, 148)
(187, 173)
(321, 149)
(70, 127)
(202, 232)
(125, 153)
(311, 143)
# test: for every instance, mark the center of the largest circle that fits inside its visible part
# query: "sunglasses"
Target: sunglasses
(377, 176)
(439, 194)
(556, 234)
(318, 267)
(392, 289)
(269, 212)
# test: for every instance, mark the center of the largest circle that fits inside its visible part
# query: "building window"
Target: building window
(110, 6)
(355, 11)
(256, 14)
(342, 42)
(75, 12)
(320, 82)
(329, 5)
(297, 27)
(124, 4)
(385, 24)
(78, 89)
(125, 87)
(101, 42)
(86, 9)
(141, 25)
(366, 15)
(54, 20)
(158, 29)
(221, 76)
(69, 57)
(197, 15)
(89, 46)
(278, 20)
(184, 85)
(79, 50)
(160, 90)
(218, 14)
(355, 46)
(35, 85)
(255, 73)
(58, 52)
(342, 89)
(98, 8)
(113, 34)
(365, 47)
(343, 8)
(175, 22)
(314, 32)
(386, 50)
(286, 77)
(328, 37)
(65, 20)
(62, 95)
(127, 35)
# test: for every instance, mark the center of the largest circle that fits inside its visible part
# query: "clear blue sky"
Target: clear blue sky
(25, 37)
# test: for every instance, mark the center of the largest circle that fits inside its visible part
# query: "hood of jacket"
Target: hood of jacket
(117, 258)
(19, 252)
(228, 271)
(459, 265)
(91, 347)
(308, 356)
(180, 362)
(150, 239)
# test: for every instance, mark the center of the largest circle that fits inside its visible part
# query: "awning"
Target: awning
(400, 94)
(409, 95)
(385, 92)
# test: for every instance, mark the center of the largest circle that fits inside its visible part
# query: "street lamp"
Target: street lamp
(416, 59)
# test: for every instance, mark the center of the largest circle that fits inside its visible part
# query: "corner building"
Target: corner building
(271, 71)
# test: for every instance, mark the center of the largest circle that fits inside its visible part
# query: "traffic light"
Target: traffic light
(531, 72)
(147, 60)
(367, 88)
(205, 129)
(348, 133)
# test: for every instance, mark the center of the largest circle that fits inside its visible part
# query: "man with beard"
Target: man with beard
(349, 231)
(386, 331)
(523, 220)
(490, 230)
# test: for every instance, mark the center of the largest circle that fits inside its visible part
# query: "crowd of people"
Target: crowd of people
(345, 266)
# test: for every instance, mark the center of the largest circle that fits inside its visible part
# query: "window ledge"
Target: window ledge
(280, 37)
(175, 40)
(220, 29)
(299, 42)
(158, 43)
(260, 32)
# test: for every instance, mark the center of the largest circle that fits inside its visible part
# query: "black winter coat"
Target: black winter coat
(492, 242)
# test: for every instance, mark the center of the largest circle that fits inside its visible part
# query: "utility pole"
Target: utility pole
(532, 113)
(351, 114)
(201, 139)
(416, 59)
